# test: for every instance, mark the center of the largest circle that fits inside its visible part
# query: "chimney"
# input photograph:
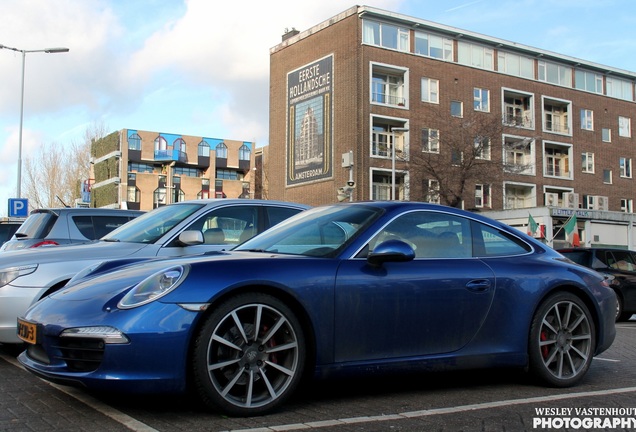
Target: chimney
(290, 33)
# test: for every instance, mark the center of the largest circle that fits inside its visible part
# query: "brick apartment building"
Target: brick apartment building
(378, 98)
(142, 170)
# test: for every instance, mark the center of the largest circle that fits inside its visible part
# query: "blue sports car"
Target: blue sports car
(355, 288)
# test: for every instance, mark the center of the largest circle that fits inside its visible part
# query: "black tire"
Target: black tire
(621, 315)
(243, 372)
(562, 340)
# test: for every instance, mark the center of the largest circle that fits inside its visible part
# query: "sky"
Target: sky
(201, 67)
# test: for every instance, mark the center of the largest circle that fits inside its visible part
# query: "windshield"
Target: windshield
(321, 232)
(151, 226)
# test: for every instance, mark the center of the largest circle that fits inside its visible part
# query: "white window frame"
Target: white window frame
(430, 140)
(624, 127)
(518, 111)
(394, 93)
(482, 147)
(430, 90)
(627, 205)
(475, 55)
(481, 99)
(461, 108)
(587, 119)
(562, 74)
(625, 167)
(526, 156)
(513, 201)
(587, 162)
(608, 132)
(401, 189)
(619, 88)
(514, 64)
(483, 195)
(557, 155)
(607, 176)
(559, 113)
(434, 43)
(401, 33)
(432, 197)
(588, 81)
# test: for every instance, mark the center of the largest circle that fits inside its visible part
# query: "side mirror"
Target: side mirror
(391, 251)
(191, 238)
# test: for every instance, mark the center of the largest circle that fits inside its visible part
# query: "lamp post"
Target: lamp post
(24, 53)
(393, 131)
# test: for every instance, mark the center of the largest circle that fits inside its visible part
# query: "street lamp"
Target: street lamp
(24, 53)
(393, 131)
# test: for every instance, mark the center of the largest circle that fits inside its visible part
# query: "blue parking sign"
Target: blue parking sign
(18, 207)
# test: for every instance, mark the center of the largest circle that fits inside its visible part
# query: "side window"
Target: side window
(95, 227)
(430, 234)
(621, 260)
(227, 225)
(490, 242)
(276, 215)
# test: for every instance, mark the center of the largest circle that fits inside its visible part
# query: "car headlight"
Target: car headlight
(153, 287)
(10, 274)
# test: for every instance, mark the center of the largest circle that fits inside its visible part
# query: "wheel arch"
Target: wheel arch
(282, 295)
(583, 296)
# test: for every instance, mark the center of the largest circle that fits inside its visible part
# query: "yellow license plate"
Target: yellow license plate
(27, 331)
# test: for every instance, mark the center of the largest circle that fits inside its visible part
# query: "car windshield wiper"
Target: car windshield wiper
(111, 240)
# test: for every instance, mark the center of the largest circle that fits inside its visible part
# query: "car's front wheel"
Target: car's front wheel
(249, 355)
(562, 340)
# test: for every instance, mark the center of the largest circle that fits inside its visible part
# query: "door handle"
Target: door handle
(479, 285)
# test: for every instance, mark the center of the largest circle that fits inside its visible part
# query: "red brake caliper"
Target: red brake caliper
(544, 349)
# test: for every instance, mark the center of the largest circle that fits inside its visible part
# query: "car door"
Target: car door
(432, 304)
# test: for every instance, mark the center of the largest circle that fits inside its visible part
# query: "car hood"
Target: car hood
(89, 251)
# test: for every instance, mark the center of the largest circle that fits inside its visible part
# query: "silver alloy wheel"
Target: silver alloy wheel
(565, 340)
(253, 356)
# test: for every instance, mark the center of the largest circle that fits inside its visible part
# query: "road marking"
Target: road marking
(131, 423)
(435, 411)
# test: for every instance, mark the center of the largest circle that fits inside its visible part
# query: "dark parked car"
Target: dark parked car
(8, 227)
(67, 225)
(356, 288)
(620, 264)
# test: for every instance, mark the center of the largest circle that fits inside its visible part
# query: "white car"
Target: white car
(185, 228)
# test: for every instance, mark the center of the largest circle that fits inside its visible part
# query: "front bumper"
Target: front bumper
(14, 302)
(154, 360)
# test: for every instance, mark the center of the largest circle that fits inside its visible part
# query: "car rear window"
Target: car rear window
(579, 257)
(37, 225)
(7, 230)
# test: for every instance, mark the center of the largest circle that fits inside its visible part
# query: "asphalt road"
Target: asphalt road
(493, 400)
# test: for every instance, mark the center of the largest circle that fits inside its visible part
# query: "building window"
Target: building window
(482, 195)
(513, 64)
(624, 127)
(627, 205)
(481, 148)
(134, 142)
(381, 185)
(519, 155)
(388, 86)
(475, 55)
(587, 161)
(430, 90)
(607, 135)
(481, 98)
(227, 174)
(186, 171)
(618, 88)
(457, 109)
(457, 157)
(204, 149)
(433, 46)
(245, 153)
(382, 139)
(556, 116)
(518, 109)
(132, 194)
(140, 167)
(587, 119)
(519, 196)
(385, 35)
(588, 81)
(557, 160)
(159, 197)
(607, 176)
(555, 73)
(221, 151)
(625, 165)
(430, 140)
(431, 191)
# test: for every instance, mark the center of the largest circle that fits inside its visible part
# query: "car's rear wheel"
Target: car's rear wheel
(621, 315)
(249, 355)
(562, 340)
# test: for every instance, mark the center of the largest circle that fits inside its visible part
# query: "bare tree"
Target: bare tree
(463, 152)
(53, 177)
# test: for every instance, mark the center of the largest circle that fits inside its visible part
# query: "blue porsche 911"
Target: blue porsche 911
(355, 288)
